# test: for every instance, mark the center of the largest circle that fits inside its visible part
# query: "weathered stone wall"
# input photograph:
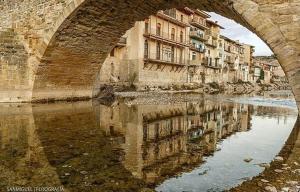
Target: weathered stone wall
(66, 41)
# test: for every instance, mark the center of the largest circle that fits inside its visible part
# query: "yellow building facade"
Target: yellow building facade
(175, 47)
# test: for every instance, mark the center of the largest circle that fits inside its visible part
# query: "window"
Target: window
(173, 34)
(220, 44)
(181, 56)
(112, 69)
(171, 13)
(181, 18)
(158, 51)
(112, 53)
(181, 36)
(146, 26)
(172, 54)
(146, 49)
(158, 29)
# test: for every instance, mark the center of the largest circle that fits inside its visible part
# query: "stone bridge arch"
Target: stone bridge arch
(71, 51)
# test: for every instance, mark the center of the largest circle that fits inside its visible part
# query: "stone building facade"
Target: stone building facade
(268, 70)
(175, 47)
(155, 53)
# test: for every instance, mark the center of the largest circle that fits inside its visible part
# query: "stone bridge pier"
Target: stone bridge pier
(53, 50)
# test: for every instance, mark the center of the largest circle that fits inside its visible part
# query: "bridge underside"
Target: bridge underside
(56, 52)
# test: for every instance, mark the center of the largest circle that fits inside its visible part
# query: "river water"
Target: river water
(185, 146)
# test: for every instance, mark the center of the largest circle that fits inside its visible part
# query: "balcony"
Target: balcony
(198, 49)
(199, 36)
(228, 49)
(162, 59)
(171, 17)
(211, 64)
(122, 42)
(229, 60)
(165, 38)
(213, 34)
(199, 23)
(194, 63)
(212, 43)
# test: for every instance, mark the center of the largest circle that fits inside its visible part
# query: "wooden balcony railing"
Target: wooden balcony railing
(199, 36)
(198, 23)
(211, 64)
(213, 34)
(163, 59)
(166, 37)
(172, 18)
(212, 43)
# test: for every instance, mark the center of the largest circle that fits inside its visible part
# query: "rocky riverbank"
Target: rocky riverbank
(183, 93)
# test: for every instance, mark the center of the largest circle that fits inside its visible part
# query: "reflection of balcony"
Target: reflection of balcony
(198, 49)
(199, 23)
(122, 42)
(165, 38)
(157, 117)
(172, 18)
(198, 36)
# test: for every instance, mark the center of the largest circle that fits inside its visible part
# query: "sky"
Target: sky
(235, 31)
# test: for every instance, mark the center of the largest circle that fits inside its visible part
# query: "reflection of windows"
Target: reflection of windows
(158, 29)
(156, 134)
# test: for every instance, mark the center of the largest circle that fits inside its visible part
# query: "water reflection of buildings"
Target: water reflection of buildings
(161, 141)
(57, 144)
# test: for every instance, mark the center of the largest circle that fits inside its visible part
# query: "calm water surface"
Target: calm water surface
(188, 146)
